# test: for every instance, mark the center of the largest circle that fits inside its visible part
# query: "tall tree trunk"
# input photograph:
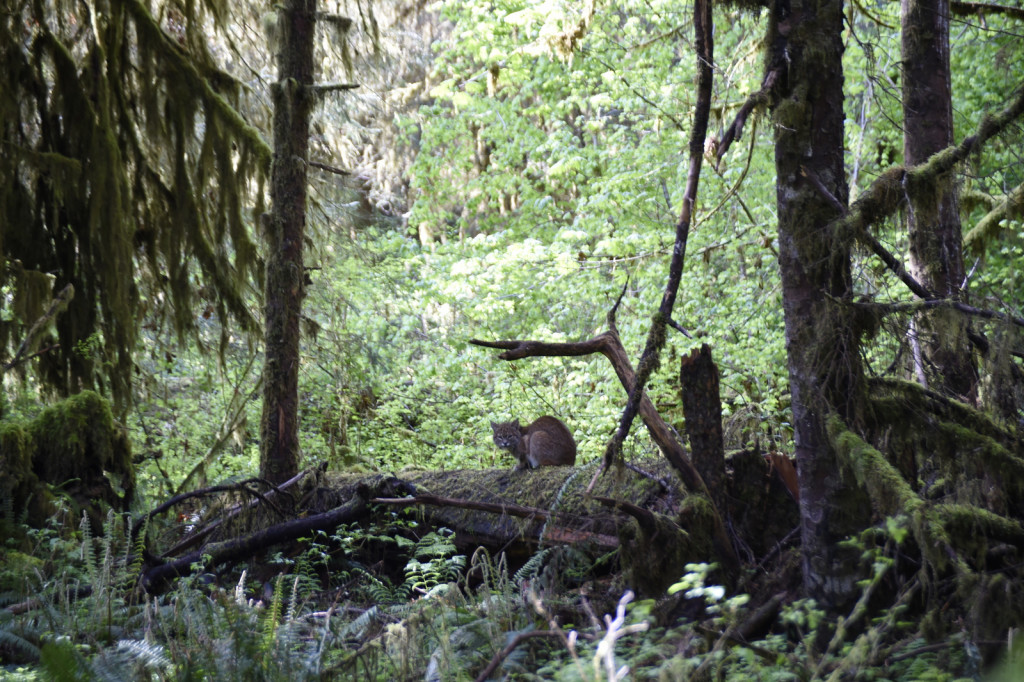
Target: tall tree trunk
(936, 246)
(285, 228)
(824, 364)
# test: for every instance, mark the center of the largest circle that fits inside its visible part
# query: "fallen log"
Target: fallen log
(644, 513)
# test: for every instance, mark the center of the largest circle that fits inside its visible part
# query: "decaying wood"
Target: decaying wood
(241, 487)
(702, 409)
(156, 576)
(505, 511)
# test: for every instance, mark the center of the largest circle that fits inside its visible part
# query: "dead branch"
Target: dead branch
(156, 576)
(557, 533)
(650, 358)
(57, 306)
(516, 641)
(609, 345)
(644, 518)
(329, 168)
(982, 8)
(759, 99)
(914, 306)
(532, 513)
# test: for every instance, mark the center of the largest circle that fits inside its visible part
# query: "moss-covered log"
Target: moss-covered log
(517, 513)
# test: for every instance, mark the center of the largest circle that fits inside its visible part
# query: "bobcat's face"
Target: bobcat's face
(507, 434)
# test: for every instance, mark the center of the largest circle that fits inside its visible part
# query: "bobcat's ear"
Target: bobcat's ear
(493, 425)
(515, 423)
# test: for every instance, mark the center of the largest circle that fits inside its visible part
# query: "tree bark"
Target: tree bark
(933, 221)
(823, 359)
(285, 229)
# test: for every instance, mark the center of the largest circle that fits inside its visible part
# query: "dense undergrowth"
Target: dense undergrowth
(322, 613)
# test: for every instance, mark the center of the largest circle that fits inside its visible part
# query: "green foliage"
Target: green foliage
(432, 564)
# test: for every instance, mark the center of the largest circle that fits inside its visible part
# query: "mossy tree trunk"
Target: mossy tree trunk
(936, 245)
(285, 229)
(824, 363)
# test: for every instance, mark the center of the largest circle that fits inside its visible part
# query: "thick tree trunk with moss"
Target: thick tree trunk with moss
(936, 245)
(824, 363)
(285, 229)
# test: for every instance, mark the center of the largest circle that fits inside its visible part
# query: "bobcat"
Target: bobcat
(545, 442)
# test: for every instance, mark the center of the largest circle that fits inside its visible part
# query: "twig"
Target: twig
(756, 100)
(57, 305)
(330, 169)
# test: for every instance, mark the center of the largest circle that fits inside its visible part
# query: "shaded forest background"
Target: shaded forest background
(502, 171)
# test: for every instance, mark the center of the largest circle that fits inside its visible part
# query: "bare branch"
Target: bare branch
(988, 227)
(757, 100)
(914, 306)
(57, 305)
(981, 8)
(486, 673)
(326, 88)
(330, 169)
(650, 358)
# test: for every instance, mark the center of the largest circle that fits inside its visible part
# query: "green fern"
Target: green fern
(63, 663)
(16, 641)
(273, 614)
(382, 591)
(532, 568)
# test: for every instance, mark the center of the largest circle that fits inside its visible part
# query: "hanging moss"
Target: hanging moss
(991, 225)
(890, 494)
(1001, 463)
(132, 167)
(888, 490)
(899, 401)
(973, 527)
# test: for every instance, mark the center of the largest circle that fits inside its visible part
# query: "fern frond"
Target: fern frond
(88, 552)
(358, 627)
(149, 655)
(11, 641)
(292, 601)
(270, 620)
(533, 567)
